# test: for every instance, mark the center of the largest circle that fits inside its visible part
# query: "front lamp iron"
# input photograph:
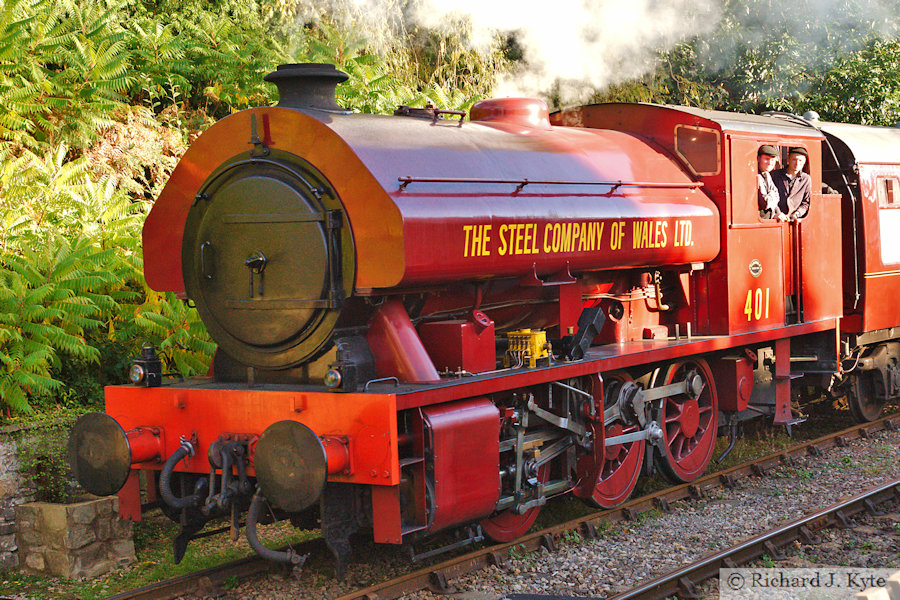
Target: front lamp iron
(146, 371)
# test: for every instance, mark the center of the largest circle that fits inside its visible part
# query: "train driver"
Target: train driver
(794, 186)
(767, 193)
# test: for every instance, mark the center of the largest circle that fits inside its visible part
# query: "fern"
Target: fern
(177, 332)
(64, 67)
(50, 298)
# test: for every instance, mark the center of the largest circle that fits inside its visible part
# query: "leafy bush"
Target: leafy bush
(43, 458)
(48, 301)
(71, 286)
(439, 70)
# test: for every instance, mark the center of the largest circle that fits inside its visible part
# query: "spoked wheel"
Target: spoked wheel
(509, 525)
(864, 405)
(689, 423)
(621, 466)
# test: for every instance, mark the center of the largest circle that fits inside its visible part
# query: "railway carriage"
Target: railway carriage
(426, 322)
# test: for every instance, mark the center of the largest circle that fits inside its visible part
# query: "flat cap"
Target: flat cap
(799, 150)
(767, 150)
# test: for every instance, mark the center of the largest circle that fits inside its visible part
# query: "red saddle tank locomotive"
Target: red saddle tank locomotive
(427, 322)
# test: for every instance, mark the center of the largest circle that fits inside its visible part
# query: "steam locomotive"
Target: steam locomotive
(426, 322)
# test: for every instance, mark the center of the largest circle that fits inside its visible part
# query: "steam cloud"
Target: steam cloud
(580, 45)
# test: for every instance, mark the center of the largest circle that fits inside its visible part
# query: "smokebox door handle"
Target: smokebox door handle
(256, 263)
(206, 269)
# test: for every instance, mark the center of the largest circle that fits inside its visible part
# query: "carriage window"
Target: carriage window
(699, 147)
(888, 192)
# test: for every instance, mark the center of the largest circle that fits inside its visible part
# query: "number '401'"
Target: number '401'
(757, 305)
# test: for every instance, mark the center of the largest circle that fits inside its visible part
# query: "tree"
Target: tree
(863, 87)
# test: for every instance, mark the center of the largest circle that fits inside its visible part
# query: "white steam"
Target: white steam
(576, 46)
(579, 44)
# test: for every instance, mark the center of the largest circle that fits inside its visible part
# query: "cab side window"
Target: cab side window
(700, 148)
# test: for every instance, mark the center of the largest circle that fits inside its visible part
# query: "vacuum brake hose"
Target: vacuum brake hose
(165, 477)
(288, 556)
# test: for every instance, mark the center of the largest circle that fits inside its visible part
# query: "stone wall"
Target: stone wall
(93, 540)
(13, 492)
(86, 539)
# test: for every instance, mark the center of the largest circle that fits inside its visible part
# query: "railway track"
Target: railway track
(436, 577)
(683, 582)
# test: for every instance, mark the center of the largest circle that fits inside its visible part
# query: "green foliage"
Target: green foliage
(162, 56)
(84, 88)
(64, 65)
(43, 458)
(48, 300)
(177, 332)
(680, 79)
(71, 288)
(863, 87)
(64, 307)
(838, 58)
(439, 70)
(98, 99)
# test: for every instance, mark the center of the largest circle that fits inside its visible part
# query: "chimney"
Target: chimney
(307, 85)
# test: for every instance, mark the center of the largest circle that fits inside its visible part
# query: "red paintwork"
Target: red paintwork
(690, 425)
(607, 475)
(388, 527)
(599, 359)
(460, 345)
(528, 218)
(337, 454)
(734, 381)
(782, 381)
(509, 525)
(145, 444)
(130, 498)
(373, 218)
(880, 280)
(821, 260)
(440, 232)
(528, 112)
(367, 421)
(397, 348)
(725, 285)
(463, 439)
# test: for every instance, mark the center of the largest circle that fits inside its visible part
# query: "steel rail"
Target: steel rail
(683, 581)
(436, 577)
(170, 589)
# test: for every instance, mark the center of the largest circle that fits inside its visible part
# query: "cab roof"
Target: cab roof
(733, 122)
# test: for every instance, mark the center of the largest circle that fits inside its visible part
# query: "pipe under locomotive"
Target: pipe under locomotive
(404, 308)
